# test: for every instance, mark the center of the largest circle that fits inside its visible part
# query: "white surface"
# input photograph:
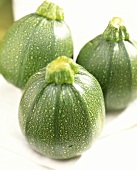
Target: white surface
(116, 149)
(117, 146)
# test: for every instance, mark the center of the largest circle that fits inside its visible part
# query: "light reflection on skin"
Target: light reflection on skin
(85, 80)
(78, 88)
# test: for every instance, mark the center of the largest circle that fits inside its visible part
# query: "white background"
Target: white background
(117, 147)
(87, 18)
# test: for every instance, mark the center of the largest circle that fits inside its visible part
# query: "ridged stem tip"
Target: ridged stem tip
(116, 30)
(61, 71)
(51, 11)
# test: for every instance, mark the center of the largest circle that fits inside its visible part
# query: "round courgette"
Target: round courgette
(32, 42)
(62, 111)
(112, 58)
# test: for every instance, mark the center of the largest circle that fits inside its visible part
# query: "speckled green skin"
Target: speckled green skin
(30, 44)
(114, 64)
(62, 121)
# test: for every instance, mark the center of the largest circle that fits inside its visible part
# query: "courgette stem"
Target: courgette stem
(61, 71)
(116, 30)
(50, 11)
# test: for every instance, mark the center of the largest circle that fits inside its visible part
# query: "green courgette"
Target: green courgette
(62, 111)
(112, 58)
(32, 42)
